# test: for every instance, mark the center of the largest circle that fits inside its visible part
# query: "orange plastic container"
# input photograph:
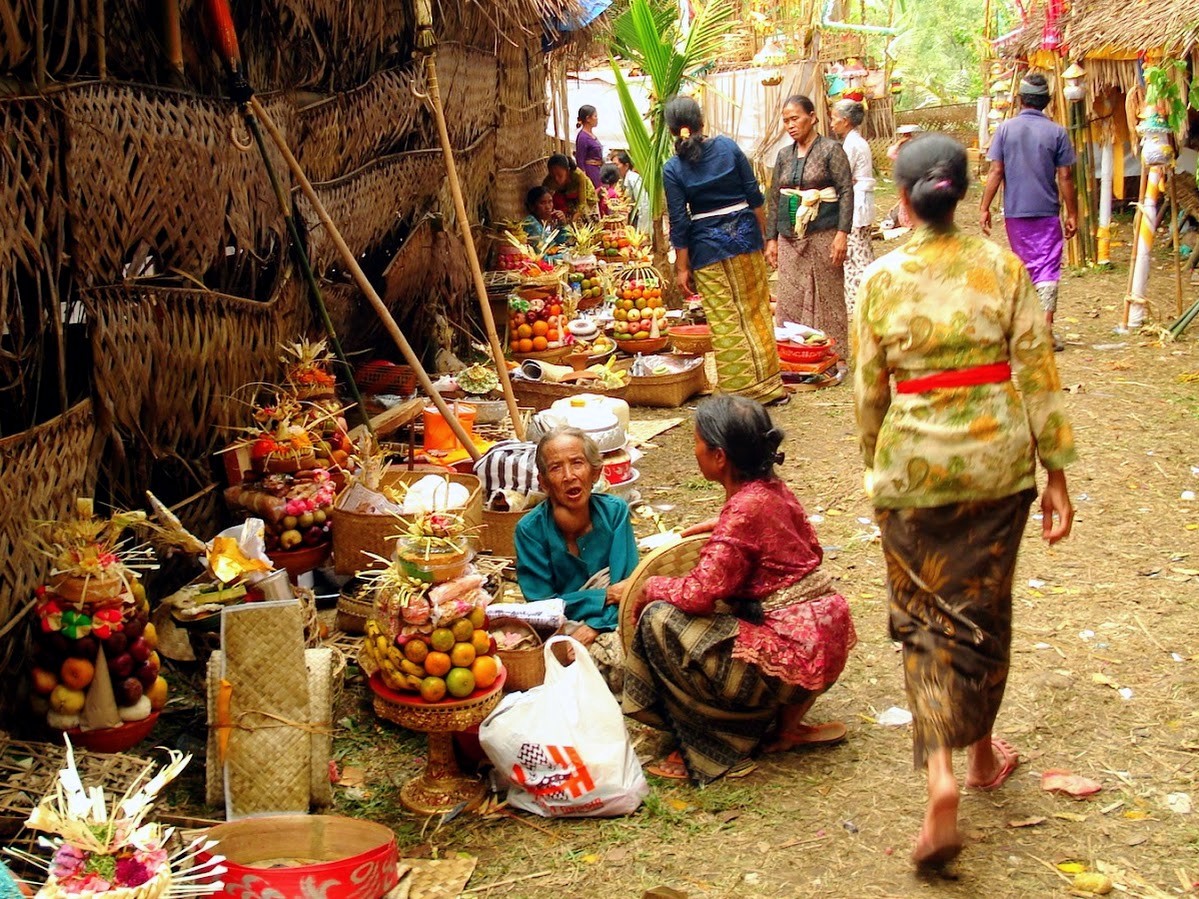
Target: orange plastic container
(438, 433)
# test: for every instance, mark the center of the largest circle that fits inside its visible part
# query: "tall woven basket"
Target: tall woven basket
(498, 535)
(675, 560)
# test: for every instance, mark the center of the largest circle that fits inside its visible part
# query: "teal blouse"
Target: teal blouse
(546, 568)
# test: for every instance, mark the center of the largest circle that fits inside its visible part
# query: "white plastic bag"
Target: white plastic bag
(562, 748)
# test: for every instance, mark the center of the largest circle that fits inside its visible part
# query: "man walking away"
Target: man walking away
(1031, 157)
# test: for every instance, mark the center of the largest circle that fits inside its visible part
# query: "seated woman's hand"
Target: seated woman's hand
(616, 593)
(702, 527)
(585, 634)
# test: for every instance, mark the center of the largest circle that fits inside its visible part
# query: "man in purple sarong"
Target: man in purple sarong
(1031, 156)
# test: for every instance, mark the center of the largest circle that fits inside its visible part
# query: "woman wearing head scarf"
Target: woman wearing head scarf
(951, 452)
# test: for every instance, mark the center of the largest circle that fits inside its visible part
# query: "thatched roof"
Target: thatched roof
(1096, 28)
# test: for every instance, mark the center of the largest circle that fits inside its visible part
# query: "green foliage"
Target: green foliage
(1161, 90)
(939, 51)
(649, 36)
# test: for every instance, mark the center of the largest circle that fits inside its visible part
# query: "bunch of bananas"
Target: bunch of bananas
(398, 673)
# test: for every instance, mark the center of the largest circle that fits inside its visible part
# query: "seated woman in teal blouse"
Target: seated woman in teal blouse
(544, 224)
(577, 545)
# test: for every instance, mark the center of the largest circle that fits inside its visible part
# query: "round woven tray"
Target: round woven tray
(693, 340)
(540, 395)
(447, 716)
(649, 345)
(675, 560)
(555, 355)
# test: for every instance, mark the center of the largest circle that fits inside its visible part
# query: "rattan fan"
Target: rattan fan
(674, 560)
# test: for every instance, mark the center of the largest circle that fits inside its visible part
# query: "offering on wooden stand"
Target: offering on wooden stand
(96, 671)
(431, 660)
(114, 852)
(640, 313)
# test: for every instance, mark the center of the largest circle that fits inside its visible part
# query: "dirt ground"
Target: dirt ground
(1104, 680)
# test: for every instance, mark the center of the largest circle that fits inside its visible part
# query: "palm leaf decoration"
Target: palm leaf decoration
(650, 36)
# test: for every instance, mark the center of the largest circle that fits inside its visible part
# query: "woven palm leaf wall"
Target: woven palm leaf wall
(144, 269)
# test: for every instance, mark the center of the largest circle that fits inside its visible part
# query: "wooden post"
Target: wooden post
(472, 254)
(101, 49)
(1132, 245)
(364, 284)
(1175, 224)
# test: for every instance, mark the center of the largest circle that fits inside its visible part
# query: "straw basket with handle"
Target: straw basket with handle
(525, 667)
(674, 560)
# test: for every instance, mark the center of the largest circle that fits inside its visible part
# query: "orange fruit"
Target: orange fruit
(526, 345)
(514, 346)
(540, 329)
(552, 335)
(157, 694)
(437, 664)
(432, 689)
(539, 344)
(66, 701)
(481, 641)
(485, 671)
(460, 683)
(77, 673)
(462, 655)
(44, 681)
(150, 634)
(477, 617)
(462, 629)
(442, 639)
(416, 651)
(524, 331)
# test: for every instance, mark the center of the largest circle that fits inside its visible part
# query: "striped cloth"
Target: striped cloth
(508, 465)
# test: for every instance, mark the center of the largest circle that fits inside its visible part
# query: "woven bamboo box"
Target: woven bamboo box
(356, 534)
(498, 535)
(666, 391)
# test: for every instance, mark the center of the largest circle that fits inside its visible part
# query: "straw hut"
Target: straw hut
(145, 272)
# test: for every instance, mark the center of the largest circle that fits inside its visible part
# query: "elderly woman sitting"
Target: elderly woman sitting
(756, 632)
(578, 545)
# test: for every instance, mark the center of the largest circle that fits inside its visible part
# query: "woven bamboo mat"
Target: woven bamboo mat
(28, 771)
(426, 878)
(642, 431)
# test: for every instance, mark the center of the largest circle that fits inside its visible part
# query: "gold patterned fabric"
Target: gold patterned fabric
(947, 301)
(736, 299)
(949, 573)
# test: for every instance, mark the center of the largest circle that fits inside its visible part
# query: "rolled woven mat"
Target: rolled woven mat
(322, 686)
(426, 878)
(268, 762)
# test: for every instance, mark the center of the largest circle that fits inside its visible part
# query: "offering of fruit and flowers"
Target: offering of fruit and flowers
(430, 638)
(535, 325)
(94, 661)
(113, 852)
(640, 312)
(295, 507)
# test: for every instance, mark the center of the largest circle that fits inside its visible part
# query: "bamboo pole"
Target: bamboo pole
(39, 46)
(1175, 224)
(364, 284)
(1132, 252)
(101, 41)
(472, 254)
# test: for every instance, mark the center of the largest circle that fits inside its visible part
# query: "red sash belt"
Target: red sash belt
(993, 373)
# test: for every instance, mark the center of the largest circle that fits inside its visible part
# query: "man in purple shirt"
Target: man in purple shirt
(1031, 157)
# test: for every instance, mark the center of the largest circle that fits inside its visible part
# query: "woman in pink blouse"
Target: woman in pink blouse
(746, 642)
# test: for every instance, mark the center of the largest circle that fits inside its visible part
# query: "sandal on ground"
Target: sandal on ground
(779, 401)
(742, 768)
(672, 767)
(827, 734)
(927, 860)
(1009, 759)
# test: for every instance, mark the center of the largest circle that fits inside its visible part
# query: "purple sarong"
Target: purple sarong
(1039, 243)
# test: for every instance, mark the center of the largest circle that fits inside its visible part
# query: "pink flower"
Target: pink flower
(132, 872)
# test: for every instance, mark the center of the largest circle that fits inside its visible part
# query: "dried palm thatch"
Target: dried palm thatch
(1092, 27)
(32, 248)
(468, 79)
(168, 363)
(42, 470)
(346, 131)
(140, 163)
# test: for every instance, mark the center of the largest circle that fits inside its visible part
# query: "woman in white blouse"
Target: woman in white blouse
(847, 115)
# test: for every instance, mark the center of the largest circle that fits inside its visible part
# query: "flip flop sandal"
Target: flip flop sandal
(672, 767)
(743, 768)
(826, 734)
(1009, 759)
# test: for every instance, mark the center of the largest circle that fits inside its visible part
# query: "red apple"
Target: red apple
(146, 673)
(116, 643)
(122, 665)
(140, 649)
(130, 691)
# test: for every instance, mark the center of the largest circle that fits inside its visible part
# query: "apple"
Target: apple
(140, 649)
(290, 539)
(313, 535)
(130, 691)
(115, 643)
(86, 648)
(146, 674)
(122, 665)
(44, 681)
(134, 627)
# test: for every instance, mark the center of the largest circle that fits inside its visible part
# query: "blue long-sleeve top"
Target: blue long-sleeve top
(723, 177)
(546, 568)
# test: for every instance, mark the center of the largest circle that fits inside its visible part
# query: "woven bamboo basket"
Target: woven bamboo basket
(540, 395)
(693, 340)
(354, 606)
(355, 534)
(525, 667)
(666, 391)
(675, 560)
(498, 536)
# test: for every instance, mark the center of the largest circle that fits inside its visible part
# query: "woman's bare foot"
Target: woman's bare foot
(940, 841)
(990, 762)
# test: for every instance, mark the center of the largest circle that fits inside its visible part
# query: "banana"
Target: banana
(392, 678)
(412, 668)
(413, 682)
